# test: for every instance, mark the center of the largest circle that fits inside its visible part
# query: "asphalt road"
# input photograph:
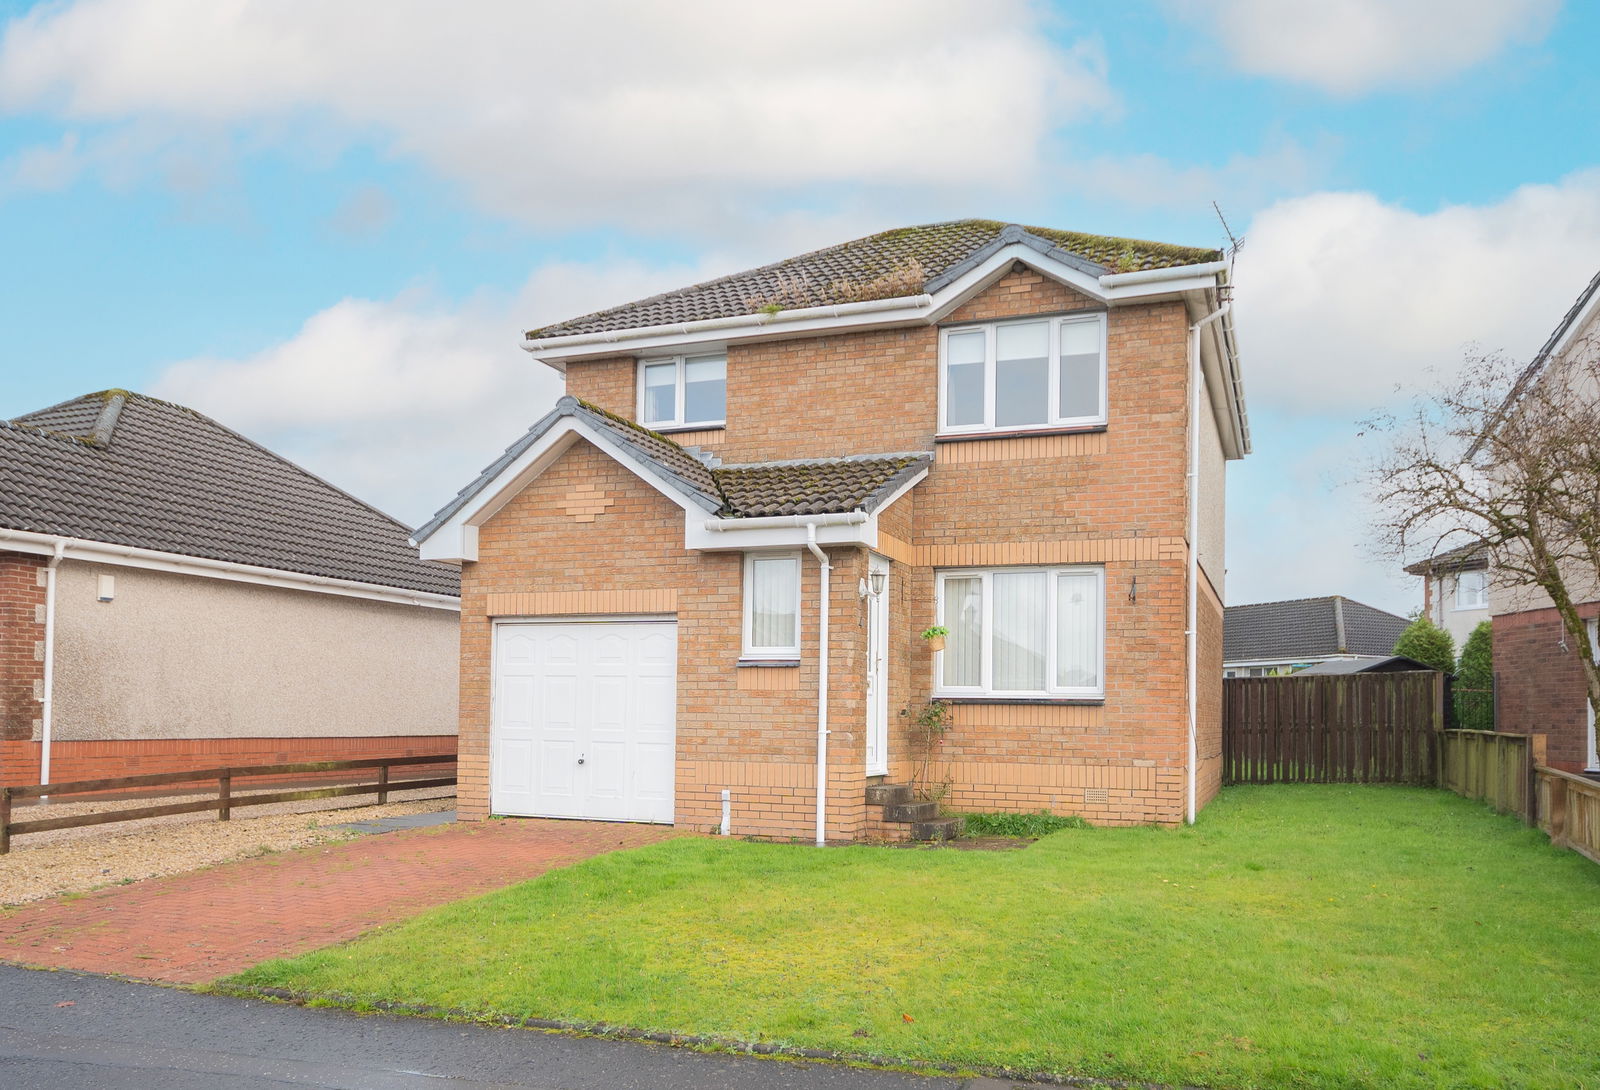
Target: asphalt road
(67, 1030)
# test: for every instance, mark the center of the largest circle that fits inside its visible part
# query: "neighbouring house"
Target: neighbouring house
(700, 585)
(1538, 679)
(1455, 589)
(1265, 639)
(1364, 664)
(174, 596)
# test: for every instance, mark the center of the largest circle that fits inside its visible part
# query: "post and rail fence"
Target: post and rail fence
(226, 800)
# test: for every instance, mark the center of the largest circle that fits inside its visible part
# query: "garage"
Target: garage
(584, 719)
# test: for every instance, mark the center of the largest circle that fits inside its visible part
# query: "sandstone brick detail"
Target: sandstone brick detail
(769, 679)
(585, 502)
(578, 602)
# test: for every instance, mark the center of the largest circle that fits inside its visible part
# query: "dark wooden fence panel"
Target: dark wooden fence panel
(1354, 728)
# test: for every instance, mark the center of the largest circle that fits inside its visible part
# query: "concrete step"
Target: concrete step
(937, 829)
(911, 811)
(888, 794)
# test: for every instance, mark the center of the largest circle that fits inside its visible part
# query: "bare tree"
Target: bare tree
(1510, 457)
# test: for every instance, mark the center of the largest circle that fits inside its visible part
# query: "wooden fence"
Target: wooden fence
(1569, 810)
(1349, 728)
(1496, 768)
(225, 801)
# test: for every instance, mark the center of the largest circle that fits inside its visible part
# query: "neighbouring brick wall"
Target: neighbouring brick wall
(1539, 687)
(758, 743)
(21, 644)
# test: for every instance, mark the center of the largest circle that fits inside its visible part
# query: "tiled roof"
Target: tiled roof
(1307, 629)
(127, 469)
(905, 261)
(815, 487)
(1469, 557)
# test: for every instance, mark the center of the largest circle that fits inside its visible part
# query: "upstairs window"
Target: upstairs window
(684, 392)
(1011, 376)
(1472, 590)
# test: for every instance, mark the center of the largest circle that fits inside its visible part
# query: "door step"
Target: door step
(903, 817)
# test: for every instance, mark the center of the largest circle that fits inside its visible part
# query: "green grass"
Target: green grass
(1298, 936)
(1034, 825)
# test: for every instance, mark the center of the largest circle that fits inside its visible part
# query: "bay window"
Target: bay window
(683, 392)
(1022, 632)
(772, 606)
(1019, 375)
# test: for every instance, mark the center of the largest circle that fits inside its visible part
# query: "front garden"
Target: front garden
(1308, 936)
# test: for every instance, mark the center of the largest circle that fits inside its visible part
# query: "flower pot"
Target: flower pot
(935, 643)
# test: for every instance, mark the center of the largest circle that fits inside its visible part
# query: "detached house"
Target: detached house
(696, 591)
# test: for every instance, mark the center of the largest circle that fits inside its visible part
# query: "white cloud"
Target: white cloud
(1348, 47)
(1341, 297)
(555, 112)
(1243, 182)
(402, 401)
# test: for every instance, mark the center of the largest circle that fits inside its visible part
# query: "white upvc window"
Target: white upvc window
(684, 392)
(771, 606)
(1023, 375)
(1472, 590)
(1022, 632)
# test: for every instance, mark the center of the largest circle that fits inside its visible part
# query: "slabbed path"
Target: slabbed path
(211, 923)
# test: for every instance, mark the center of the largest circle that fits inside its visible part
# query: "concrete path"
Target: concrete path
(65, 1031)
(211, 923)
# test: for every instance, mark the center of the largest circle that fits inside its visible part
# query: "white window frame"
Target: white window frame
(680, 363)
(747, 644)
(1483, 602)
(986, 673)
(1054, 323)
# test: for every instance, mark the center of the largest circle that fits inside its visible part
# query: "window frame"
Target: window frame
(1051, 691)
(680, 363)
(1054, 323)
(1483, 591)
(748, 650)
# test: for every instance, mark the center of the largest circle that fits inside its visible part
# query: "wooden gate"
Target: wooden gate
(1350, 728)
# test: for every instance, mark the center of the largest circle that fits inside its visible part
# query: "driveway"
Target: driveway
(64, 1031)
(210, 923)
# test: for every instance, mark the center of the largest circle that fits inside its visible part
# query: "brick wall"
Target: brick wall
(21, 644)
(1539, 687)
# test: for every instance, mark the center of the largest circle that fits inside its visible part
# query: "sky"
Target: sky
(326, 224)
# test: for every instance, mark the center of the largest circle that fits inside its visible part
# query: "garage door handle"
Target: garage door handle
(580, 760)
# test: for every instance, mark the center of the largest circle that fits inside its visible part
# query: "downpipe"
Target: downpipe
(825, 571)
(47, 703)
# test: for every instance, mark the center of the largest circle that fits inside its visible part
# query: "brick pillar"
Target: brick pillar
(21, 644)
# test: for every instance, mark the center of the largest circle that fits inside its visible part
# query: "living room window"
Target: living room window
(1022, 632)
(683, 392)
(772, 606)
(1021, 375)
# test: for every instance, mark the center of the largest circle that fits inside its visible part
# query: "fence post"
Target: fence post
(383, 784)
(224, 797)
(1558, 810)
(5, 820)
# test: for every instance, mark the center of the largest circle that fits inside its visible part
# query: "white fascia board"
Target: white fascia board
(128, 556)
(984, 275)
(1577, 326)
(734, 537)
(456, 540)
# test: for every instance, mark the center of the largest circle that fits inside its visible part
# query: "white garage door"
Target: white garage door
(584, 720)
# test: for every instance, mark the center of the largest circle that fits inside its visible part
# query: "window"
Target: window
(1472, 590)
(772, 606)
(1023, 632)
(1007, 376)
(683, 392)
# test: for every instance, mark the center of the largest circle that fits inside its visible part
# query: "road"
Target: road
(69, 1030)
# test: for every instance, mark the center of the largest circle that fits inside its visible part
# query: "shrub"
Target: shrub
(1428, 644)
(1032, 826)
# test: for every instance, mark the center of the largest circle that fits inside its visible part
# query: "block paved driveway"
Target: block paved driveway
(210, 923)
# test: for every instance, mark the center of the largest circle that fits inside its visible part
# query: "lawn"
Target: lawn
(1312, 936)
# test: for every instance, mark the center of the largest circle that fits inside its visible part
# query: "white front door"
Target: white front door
(584, 719)
(878, 672)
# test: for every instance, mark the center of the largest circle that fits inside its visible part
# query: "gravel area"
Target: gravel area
(77, 860)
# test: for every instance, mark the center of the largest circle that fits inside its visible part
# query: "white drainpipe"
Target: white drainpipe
(825, 569)
(1191, 633)
(47, 704)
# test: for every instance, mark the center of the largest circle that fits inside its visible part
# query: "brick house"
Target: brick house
(1539, 685)
(174, 596)
(696, 591)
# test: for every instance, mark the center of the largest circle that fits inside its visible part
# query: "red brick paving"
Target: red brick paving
(206, 924)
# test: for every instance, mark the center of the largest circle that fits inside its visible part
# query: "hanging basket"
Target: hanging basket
(935, 643)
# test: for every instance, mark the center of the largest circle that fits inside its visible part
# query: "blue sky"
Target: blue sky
(324, 224)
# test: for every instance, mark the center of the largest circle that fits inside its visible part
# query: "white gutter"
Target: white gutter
(100, 552)
(703, 325)
(825, 570)
(1173, 272)
(1191, 633)
(781, 522)
(48, 702)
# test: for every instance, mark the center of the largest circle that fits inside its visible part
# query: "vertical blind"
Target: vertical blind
(1030, 631)
(774, 603)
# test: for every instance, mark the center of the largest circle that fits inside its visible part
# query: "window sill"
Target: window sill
(788, 664)
(1018, 433)
(1090, 701)
(673, 429)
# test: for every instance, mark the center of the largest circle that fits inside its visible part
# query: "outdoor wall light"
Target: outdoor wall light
(880, 579)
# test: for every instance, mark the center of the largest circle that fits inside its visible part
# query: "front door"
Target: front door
(878, 670)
